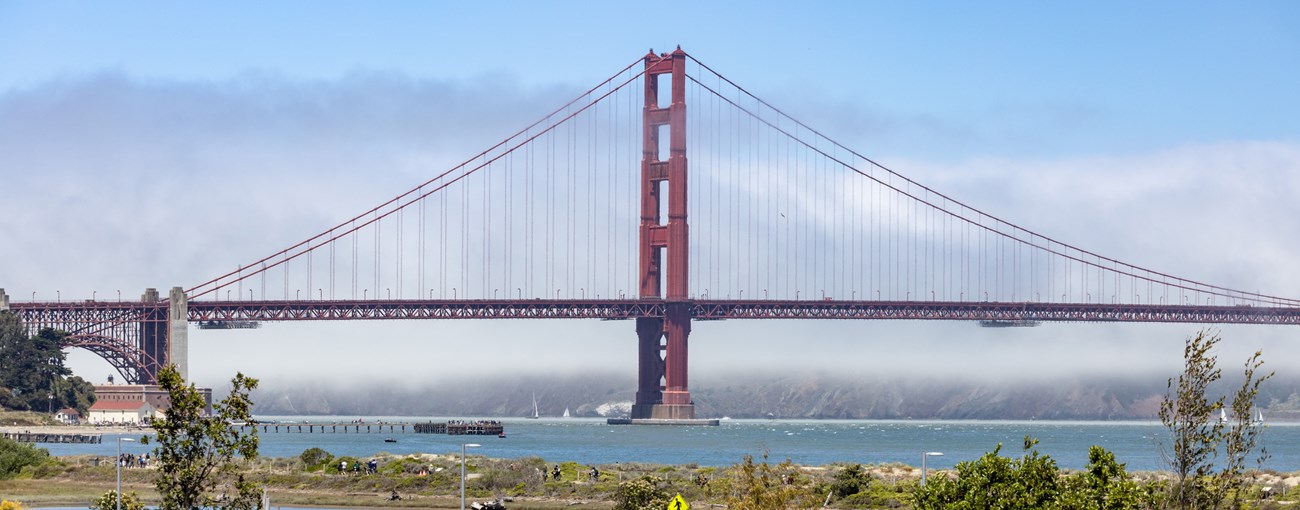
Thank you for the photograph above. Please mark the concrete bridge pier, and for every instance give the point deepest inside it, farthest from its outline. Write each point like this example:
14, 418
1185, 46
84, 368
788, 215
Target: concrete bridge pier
4, 300
178, 330
164, 334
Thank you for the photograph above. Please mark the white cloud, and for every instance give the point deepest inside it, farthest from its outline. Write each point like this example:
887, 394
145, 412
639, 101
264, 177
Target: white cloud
116, 183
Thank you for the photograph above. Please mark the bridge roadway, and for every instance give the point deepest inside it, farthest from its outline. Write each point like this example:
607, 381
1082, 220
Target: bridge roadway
75, 316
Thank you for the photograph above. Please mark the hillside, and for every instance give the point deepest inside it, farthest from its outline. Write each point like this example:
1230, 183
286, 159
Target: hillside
803, 396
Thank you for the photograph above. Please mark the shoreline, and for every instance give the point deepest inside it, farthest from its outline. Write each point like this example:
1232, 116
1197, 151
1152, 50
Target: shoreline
75, 429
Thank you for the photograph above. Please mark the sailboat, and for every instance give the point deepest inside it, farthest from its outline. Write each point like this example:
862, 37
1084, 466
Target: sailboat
535, 415
566, 412
1223, 416
1259, 419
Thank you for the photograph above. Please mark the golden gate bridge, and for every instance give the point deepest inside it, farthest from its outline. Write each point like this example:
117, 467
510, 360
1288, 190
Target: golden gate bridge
784, 223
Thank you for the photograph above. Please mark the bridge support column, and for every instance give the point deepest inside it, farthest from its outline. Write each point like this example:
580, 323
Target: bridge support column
677, 403
662, 389
178, 324
650, 366
153, 339
4, 300
164, 335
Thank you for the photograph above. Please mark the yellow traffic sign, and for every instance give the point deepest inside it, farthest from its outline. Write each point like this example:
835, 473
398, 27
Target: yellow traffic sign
678, 503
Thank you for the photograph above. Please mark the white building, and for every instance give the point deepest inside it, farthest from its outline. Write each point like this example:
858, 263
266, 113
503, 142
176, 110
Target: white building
68, 416
121, 412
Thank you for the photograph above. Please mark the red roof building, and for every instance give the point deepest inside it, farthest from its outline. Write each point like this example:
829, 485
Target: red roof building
121, 412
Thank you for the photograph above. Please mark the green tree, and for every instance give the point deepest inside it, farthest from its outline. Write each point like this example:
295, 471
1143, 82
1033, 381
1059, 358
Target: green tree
1103, 485
74, 392
197, 451
1189, 415
108, 501
1198, 433
14, 456
995, 482
1242, 438
30, 366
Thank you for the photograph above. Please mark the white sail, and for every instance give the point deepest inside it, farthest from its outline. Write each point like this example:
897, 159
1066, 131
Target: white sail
535, 415
1223, 416
566, 412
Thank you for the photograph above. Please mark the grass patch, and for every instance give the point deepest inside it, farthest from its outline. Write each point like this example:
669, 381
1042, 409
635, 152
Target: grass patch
26, 419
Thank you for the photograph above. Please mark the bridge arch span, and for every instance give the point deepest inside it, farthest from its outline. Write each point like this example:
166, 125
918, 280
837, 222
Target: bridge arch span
132, 362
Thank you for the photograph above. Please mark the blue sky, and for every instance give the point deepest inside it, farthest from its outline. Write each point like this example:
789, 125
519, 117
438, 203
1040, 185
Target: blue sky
1122, 76
1161, 131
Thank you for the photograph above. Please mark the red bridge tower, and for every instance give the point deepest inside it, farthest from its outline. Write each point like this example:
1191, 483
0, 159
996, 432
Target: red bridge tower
661, 381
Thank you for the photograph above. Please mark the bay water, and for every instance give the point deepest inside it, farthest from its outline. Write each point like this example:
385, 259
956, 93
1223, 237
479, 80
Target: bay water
810, 442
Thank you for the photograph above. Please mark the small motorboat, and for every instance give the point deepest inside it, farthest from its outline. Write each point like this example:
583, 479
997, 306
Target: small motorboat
502, 435
389, 440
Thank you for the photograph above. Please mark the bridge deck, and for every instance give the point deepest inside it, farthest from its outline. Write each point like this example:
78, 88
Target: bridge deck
71, 315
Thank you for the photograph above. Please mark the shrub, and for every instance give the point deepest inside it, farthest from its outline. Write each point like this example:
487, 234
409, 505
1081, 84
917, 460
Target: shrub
109, 502
645, 493
849, 481
14, 456
994, 481
314, 458
763, 486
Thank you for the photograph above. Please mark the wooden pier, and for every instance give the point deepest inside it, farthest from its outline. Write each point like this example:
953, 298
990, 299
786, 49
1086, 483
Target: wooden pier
41, 437
475, 428
334, 428
463, 428
451, 428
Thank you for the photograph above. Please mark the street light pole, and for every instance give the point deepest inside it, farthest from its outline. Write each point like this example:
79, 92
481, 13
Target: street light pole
118, 462
923, 456
463, 446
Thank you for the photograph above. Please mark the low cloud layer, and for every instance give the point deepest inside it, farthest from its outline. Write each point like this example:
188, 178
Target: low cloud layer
117, 183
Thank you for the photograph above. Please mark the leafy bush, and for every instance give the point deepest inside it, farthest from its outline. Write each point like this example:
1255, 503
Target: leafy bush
1033, 481
849, 481
1104, 484
109, 502
50, 468
313, 458
403, 466
10, 505
994, 481
878, 496
15, 455
645, 493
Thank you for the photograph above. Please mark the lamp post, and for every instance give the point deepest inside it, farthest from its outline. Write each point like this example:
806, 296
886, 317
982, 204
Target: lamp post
923, 456
463, 446
118, 463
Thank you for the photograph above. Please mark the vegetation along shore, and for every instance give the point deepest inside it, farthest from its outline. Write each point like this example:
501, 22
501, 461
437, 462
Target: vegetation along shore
432, 481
